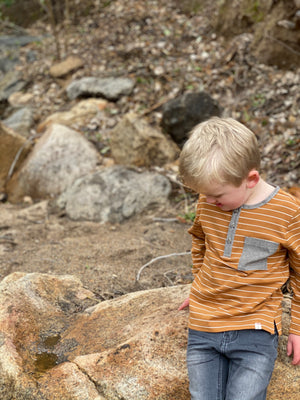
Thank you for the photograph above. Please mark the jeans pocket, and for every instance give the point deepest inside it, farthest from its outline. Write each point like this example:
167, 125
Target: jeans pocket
255, 254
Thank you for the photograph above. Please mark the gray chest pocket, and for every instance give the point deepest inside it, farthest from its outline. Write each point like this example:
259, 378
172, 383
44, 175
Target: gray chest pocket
255, 254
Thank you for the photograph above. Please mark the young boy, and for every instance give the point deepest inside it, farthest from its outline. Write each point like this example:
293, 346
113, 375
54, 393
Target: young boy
245, 245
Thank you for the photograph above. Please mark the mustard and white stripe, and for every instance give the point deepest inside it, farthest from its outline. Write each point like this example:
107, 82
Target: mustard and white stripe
241, 259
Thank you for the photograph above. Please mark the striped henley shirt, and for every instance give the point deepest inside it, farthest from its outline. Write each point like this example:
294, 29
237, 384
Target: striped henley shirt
241, 259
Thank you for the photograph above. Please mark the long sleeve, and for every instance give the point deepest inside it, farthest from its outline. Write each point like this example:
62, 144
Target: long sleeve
241, 260
198, 242
293, 246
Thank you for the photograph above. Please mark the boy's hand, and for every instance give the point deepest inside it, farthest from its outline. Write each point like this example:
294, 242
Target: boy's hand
293, 347
186, 304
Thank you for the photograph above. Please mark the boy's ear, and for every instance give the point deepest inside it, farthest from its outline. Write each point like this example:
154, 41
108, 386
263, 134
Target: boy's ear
252, 179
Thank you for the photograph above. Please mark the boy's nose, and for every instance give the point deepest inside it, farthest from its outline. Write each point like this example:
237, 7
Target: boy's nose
210, 199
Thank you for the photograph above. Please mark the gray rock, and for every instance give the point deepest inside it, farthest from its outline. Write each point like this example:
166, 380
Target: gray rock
20, 121
113, 194
7, 63
18, 40
10, 83
109, 88
9, 45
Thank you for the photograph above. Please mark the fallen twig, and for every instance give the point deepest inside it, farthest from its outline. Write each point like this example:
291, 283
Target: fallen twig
159, 258
181, 185
168, 279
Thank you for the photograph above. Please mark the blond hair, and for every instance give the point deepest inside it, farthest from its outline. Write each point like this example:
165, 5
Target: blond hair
219, 150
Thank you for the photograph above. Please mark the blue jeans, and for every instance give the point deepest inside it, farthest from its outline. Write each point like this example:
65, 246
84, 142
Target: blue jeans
234, 365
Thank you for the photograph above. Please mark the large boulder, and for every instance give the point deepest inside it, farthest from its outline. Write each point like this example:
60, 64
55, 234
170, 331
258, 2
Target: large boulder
58, 343
181, 114
134, 142
13, 150
60, 157
113, 194
37, 308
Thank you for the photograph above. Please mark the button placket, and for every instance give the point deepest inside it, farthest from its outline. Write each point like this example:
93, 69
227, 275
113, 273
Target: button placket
231, 232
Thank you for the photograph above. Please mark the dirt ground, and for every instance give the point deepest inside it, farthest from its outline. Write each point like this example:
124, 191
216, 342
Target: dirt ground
183, 53
105, 257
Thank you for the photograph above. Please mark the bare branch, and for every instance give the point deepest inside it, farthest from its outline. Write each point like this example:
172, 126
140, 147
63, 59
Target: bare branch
159, 258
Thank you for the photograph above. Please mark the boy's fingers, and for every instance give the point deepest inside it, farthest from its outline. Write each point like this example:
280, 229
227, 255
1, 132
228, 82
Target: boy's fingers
296, 360
184, 304
293, 348
296, 357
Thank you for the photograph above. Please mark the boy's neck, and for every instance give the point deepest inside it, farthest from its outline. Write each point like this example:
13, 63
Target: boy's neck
260, 192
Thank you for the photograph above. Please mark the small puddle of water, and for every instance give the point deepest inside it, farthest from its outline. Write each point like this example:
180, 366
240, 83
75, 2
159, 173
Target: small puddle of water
51, 341
45, 360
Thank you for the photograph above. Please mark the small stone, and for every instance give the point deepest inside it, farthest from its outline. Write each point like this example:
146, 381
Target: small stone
63, 68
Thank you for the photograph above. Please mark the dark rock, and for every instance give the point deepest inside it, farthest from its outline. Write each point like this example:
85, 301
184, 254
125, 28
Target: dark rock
181, 114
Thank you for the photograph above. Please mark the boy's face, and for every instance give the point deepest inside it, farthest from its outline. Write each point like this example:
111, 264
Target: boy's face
226, 196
